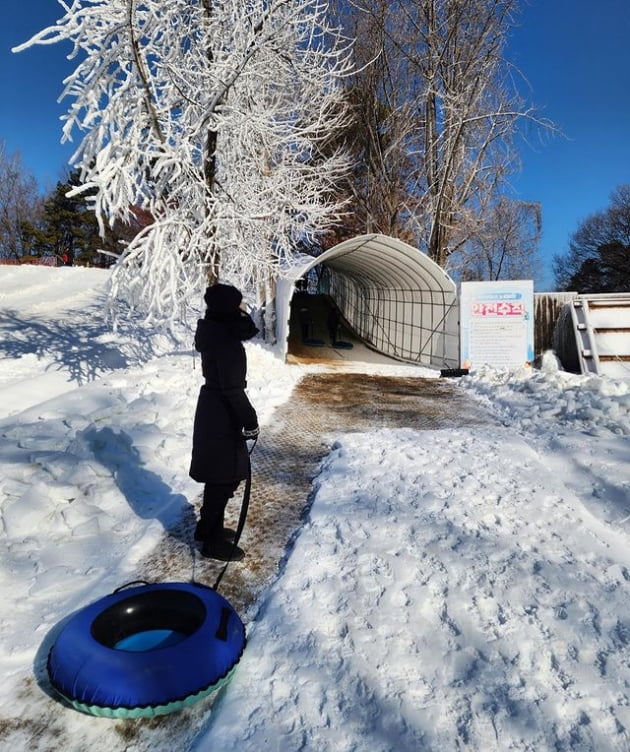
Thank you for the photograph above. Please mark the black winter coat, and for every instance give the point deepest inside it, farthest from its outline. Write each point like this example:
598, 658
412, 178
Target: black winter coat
219, 452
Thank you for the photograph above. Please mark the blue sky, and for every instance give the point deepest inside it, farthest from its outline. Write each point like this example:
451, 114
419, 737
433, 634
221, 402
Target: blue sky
574, 53
576, 57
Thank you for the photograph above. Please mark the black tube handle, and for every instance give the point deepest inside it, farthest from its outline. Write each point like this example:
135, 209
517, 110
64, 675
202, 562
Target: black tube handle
221, 633
129, 584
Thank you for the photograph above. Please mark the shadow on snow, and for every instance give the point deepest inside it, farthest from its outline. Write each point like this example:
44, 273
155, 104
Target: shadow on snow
73, 346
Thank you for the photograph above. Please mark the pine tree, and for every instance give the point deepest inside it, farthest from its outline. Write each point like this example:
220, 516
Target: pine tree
68, 228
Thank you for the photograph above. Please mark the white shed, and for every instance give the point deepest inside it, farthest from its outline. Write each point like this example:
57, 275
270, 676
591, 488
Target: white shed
390, 296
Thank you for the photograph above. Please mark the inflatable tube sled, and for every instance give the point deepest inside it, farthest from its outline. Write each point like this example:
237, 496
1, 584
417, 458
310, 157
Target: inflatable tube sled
146, 651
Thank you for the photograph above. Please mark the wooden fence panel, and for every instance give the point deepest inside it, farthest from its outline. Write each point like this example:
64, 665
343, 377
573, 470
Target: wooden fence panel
547, 308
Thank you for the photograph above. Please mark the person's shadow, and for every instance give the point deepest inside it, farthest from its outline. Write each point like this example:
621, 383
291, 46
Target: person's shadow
146, 493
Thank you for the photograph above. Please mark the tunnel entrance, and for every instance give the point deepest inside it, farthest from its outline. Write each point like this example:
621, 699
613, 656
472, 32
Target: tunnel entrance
390, 299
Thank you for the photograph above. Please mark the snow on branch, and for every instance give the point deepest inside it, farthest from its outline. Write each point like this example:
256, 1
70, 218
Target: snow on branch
211, 116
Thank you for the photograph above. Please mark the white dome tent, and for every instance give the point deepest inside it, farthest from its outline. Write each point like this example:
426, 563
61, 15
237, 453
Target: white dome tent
392, 297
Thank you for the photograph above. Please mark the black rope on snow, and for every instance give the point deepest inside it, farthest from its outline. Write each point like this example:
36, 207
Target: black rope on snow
242, 517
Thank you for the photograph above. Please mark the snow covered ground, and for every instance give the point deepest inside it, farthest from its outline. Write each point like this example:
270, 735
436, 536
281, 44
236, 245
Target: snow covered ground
451, 589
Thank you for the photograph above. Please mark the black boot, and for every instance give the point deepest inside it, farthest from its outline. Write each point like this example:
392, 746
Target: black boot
226, 533
222, 550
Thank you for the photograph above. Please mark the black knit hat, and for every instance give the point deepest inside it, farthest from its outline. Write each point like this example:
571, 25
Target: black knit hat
222, 299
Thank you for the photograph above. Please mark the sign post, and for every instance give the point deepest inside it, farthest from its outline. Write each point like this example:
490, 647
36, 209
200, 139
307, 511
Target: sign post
497, 324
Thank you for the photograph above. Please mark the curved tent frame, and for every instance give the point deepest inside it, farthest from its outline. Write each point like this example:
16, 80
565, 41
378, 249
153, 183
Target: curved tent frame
395, 298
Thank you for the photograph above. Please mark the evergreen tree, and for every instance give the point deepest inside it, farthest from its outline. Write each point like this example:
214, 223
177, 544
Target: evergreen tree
608, 272
68, 229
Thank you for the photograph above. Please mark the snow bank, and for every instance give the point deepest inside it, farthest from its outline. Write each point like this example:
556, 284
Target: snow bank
551, 399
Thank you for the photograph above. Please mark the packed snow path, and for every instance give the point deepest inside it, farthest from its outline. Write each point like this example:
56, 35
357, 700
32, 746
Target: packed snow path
286, 460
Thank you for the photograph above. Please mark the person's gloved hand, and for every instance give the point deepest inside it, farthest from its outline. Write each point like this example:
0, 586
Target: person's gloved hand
251, 433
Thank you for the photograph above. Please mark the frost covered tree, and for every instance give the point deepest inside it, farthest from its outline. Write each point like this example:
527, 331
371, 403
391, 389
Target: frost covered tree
210, 115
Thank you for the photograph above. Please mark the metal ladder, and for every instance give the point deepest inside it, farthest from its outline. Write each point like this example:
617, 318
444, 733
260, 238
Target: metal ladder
584, 336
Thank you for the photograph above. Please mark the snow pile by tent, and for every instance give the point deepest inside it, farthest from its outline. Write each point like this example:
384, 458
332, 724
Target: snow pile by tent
534, 398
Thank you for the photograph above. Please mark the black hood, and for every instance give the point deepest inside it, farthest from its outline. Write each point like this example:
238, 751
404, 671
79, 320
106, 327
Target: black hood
222, 300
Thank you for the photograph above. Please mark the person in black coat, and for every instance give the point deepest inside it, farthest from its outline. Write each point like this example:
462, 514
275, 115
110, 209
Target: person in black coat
224, 418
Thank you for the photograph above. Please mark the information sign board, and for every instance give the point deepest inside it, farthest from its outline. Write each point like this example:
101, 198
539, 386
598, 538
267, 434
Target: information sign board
497, 324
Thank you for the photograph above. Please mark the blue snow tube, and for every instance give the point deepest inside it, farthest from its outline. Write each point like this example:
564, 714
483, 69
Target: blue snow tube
146, 651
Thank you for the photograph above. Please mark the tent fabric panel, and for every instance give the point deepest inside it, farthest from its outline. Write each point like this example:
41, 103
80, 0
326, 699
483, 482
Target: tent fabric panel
389, 260
398, 323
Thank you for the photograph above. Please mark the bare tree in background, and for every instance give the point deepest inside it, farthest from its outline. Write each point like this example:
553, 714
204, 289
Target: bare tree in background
19, 206
209, 115
446, 110
385, 130
505, 245
598, 259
